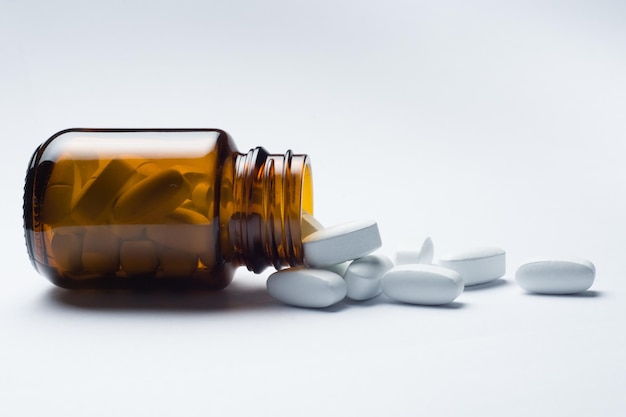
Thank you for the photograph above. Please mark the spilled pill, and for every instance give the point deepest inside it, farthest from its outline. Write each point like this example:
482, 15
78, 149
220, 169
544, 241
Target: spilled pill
556, 276
422, 284
363, 276
423, 255
306, 287
341, 243
477, 266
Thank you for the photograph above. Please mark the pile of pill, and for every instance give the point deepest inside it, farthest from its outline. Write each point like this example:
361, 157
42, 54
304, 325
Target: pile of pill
95, 212
340, 262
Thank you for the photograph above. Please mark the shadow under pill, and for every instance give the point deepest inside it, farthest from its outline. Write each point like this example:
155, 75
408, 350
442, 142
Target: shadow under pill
379, 299
335, 308
584, 294
487, 285
454, 305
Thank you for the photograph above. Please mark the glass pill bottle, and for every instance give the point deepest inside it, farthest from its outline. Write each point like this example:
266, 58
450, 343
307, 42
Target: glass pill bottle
161, 208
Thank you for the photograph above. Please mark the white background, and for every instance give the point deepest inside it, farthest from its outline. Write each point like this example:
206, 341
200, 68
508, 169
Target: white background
477, 123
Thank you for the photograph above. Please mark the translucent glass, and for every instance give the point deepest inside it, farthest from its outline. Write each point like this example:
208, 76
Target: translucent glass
161, 208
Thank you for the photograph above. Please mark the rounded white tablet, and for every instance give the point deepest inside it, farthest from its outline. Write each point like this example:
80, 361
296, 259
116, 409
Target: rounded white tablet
422, 284
305, 287
556, 276
477, 266
363, 276
341, 243
409, 255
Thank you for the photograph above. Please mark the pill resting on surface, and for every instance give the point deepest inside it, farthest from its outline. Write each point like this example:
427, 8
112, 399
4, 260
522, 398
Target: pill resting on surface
410, 255
341, 243
556, 276
363, 276
306, 287
422, 284
478, 265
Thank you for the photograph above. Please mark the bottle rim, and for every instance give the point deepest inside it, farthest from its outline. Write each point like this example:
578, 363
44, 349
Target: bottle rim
270, 191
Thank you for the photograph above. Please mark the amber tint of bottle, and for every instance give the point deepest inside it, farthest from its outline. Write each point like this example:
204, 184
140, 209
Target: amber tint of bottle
161, 208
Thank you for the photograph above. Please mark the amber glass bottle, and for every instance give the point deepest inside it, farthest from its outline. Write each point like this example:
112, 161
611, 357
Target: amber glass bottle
161, 208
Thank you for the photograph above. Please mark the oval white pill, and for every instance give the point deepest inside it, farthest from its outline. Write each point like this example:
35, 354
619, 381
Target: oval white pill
363, 276
556, 276
477, 266
306, 287
341, 243
422, 284
424, 255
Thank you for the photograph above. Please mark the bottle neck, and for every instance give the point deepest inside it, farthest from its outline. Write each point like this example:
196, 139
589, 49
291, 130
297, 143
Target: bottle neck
269, 193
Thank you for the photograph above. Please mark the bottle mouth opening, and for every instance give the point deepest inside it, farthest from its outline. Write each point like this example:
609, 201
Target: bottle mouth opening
306, 202
298, 196
271, 191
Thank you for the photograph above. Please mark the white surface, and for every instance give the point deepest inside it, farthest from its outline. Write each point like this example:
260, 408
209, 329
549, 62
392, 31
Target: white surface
507, 117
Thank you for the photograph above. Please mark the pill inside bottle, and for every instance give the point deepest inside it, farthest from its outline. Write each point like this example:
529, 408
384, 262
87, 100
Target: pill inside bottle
161, 208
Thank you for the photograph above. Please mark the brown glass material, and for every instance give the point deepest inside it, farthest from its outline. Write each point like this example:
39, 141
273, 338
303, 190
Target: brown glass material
162, 208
